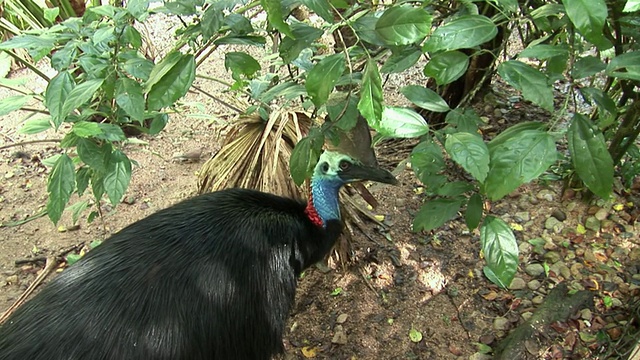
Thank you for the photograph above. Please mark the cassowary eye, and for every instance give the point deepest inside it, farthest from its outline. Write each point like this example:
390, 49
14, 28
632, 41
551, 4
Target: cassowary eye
344, 165
325, 167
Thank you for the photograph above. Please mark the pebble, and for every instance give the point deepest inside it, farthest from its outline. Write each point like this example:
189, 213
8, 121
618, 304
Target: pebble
552, 257
592, 223
524, 248
339, 336
601, 214
501, 323
589, 256
585, 314
11, 280
517, 284
537, 300
534, 269
545, 194
576, 271
561, 269
526, 315
341, 318
522, 216
534, 284
559, 214
480, 356
551, 223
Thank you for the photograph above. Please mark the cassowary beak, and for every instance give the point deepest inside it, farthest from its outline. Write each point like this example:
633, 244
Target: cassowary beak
360, 172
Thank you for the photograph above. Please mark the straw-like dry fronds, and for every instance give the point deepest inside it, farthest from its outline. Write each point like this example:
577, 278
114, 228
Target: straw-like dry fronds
256, 155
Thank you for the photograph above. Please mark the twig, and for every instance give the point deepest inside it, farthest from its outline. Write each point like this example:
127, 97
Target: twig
24, 221
52, 262
29, 142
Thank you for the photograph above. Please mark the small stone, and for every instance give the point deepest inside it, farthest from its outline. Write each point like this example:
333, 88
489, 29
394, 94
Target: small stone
534, 284
524, 248
552, 257
526, 315
12, 280
545, 194
517, 284
561, 269
592, 223
522, 216
571, 206
570, 255
534, 269
589, 256
585, 314
576, 271
601, 214
129, 200
480, 356
339, 337
341, 318
551, 222
559, 215
537, 300
501, 323
615, 302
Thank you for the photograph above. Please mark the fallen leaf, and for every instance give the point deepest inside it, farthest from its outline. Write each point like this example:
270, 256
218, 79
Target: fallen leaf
415, 335
492, 295
309, 351
580, 229
455, 350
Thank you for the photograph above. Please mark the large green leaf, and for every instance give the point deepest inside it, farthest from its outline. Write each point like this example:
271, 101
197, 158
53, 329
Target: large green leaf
323, 77
304, 157
447, 67
403, 25
93, 155
517, 160
12, 103
173, 85
631, 6
513, 131
129, 97
425, 98
400, 60
473, 214
305, 35
590, 157
275, 16
461, 33
371, 100
80, 94
470, 152
57, 92
427, 161
589, 17
118, 176
434, 213
162, 68
625, 66
62, 181
533, 84
320, 7
85, 129
587, 66
241, 64
399, 122
500, 251
464, 120
34, 126
544, 51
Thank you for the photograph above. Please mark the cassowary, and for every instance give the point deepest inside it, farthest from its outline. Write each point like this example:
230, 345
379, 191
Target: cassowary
212, 277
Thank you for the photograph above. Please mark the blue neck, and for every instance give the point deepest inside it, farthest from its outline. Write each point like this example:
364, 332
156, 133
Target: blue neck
324, 194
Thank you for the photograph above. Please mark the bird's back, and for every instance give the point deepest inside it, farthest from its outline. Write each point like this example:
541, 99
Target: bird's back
212, 277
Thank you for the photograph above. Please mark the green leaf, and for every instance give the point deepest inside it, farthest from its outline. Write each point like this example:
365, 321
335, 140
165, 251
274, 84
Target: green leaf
61, 59
365, 28
211, 22
110, 132
13, 103
625, 66
139, 67
461, 33
241, 64
589, 17
518, 159
631, 6
464, 120
425, 98
180, 8
470, 152
132, 37
93, 155
173, 85
77, 209
533, 84
399, 122
587, 66
513, 131
57, 92
510, 6
85, 129
79, 95
590, 156
427, 161
82, 179
138, 9
544, 51
275, 16
129, 97
118, 176
34, 126
305, 35
415, 335
403, 25
500, 250
454, 189
158, 123
401, 60
304, 158
323, 77
62, 181
447, 67
473, 214
162, 68
434, 213
320, 7
241, 40
371, 100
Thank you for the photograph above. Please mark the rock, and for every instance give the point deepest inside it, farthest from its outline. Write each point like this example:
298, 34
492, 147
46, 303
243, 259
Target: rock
592, 223
537, 300
339, 336
615, 302
589, 256
501, 323
545, 194
561, 269
534, 284
576, 271
524, 248
585, 314
517, 284
601, 214
480, 356
570, 255
551, 223
129, 200
522, 216
571, 206
526, 315
12, 280
534, 269
552, 257
559, 215
341, 318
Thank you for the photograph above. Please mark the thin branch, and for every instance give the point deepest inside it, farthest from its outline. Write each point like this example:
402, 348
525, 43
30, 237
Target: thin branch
29, 142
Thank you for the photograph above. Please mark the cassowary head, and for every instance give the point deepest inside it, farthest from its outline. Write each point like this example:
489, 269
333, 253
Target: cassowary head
342, 169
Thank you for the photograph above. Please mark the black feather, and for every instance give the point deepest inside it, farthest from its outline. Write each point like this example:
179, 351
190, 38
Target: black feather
212, 277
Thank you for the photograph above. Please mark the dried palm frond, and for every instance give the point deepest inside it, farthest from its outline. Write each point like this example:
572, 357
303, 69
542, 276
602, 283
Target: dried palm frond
256, 155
